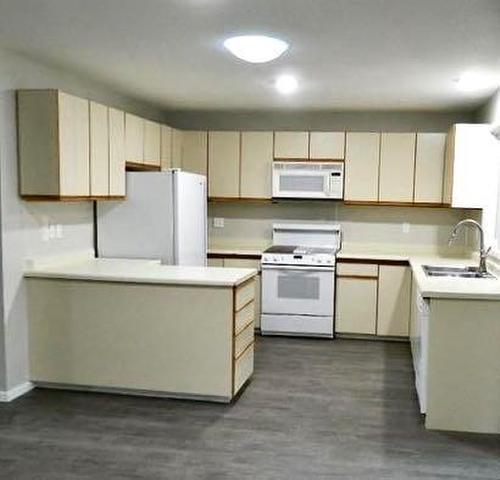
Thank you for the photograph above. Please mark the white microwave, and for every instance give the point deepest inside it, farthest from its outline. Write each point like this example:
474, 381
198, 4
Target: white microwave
308, 180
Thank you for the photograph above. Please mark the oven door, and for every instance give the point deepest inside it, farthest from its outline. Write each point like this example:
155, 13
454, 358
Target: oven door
297, 290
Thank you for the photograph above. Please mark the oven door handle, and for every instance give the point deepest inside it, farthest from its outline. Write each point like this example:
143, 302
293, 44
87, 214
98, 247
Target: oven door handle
325, 269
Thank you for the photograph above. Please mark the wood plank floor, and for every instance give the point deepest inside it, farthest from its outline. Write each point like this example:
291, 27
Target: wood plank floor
315, 410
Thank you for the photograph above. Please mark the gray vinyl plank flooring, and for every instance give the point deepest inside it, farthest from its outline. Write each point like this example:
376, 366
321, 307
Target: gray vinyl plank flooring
315, 409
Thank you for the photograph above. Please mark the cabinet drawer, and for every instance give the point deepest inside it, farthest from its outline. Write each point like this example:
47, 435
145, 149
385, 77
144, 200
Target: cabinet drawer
245, 293
243, 317
243, 340
243, 369
357, 269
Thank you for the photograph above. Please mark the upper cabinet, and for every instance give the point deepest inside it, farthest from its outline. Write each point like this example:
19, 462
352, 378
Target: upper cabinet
195, 151
99, 150
291, 145
152, 143
429, 167
134, 139
470, 167
116, 152
397, 167
256, 164
361, 167
176, 148
224, 164
54, 144
165, 147
327, 145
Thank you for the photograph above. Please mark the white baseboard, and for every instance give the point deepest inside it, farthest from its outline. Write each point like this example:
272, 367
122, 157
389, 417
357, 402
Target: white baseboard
16, 392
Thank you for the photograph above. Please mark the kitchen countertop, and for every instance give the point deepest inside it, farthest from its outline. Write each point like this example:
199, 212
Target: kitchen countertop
136, 271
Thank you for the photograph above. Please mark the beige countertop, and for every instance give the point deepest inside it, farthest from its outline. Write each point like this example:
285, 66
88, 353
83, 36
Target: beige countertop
135, 271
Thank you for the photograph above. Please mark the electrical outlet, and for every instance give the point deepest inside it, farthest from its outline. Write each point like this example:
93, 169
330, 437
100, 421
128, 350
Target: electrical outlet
52, 231
59, 231
406, 227
218, 222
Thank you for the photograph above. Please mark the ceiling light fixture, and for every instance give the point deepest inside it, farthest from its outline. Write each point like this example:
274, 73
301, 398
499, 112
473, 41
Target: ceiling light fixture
475, 81
286, 84
256, 48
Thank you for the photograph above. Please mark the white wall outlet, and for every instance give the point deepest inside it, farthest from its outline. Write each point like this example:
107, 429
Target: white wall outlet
406, 227
52, 231
218, 222
59, 231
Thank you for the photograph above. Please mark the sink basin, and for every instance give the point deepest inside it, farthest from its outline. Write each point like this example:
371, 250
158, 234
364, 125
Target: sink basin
458, 272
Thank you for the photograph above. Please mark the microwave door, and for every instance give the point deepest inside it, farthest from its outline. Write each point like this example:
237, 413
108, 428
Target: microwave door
302, 185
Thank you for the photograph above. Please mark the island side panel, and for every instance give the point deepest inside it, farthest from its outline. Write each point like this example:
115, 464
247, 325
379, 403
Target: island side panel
464, 366
158, 338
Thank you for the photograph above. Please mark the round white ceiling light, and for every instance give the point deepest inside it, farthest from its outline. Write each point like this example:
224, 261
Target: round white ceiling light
256, 48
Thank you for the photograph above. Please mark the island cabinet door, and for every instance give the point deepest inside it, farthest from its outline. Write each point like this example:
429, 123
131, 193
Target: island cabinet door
394, 294
195, 151
356, 299
361, 166
224, 164
397, 166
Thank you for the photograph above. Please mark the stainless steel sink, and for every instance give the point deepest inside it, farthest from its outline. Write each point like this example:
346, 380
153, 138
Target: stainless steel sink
458, 272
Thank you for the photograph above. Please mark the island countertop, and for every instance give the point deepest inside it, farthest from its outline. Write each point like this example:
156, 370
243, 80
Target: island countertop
137, 271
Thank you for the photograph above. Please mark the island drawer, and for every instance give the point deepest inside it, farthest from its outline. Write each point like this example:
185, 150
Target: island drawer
243, 340
243, 368
357, 270
245, 293
243, 317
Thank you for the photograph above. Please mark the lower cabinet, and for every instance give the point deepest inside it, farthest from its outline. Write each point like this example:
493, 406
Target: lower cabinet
373, 299
243, 263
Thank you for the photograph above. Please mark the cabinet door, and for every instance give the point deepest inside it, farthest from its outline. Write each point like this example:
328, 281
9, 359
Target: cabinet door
166, 147
394, 292
194, 151
256, 164
429, 167
116, 152
224, 164
362, 166
99, 150
397, 166
152, 135
74, 168
356, 305
176, 148
327, 146
291, 145
134, 138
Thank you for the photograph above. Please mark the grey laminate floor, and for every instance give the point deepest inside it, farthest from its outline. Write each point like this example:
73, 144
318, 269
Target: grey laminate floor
315, 410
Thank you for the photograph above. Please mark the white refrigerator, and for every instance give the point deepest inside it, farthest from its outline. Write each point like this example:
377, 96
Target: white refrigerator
163, 217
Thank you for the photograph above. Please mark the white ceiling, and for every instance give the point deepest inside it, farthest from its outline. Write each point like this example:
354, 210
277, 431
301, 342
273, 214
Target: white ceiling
347, 54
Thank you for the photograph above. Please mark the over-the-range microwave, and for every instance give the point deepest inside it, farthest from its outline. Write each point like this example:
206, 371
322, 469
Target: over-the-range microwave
308, 180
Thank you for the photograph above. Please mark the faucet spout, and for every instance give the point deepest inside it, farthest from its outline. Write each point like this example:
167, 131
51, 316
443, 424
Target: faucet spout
483, 253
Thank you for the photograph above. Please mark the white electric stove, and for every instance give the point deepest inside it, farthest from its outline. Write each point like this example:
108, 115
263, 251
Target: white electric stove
298, 280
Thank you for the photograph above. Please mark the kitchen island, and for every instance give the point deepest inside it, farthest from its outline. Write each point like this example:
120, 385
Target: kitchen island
139, 327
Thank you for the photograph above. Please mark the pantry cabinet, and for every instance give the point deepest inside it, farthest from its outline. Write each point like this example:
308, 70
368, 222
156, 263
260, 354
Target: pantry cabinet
134, 139
429, 167
327, 145
224, 164
256, 164
362, 166
53, 143
394, 295
116, 152
99, 150
195, 151
397, 163
291, 145
152, 143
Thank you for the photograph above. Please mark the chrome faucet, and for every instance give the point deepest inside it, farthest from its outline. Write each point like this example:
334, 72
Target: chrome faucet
483, 253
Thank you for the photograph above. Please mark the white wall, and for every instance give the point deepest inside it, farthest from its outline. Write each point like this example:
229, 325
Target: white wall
22, 222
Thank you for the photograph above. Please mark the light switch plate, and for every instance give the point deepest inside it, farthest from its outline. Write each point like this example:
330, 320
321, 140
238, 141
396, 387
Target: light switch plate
218, 222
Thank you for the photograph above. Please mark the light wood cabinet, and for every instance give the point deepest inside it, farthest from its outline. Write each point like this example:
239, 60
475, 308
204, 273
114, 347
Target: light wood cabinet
327, 145
99, 150
53, 144
256, 164
176, 148
291, 145
152, 143
165, 147
224, 164
397, 166
134, 139
195, 151
362, 166
394, 295
116, 152
429, 167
